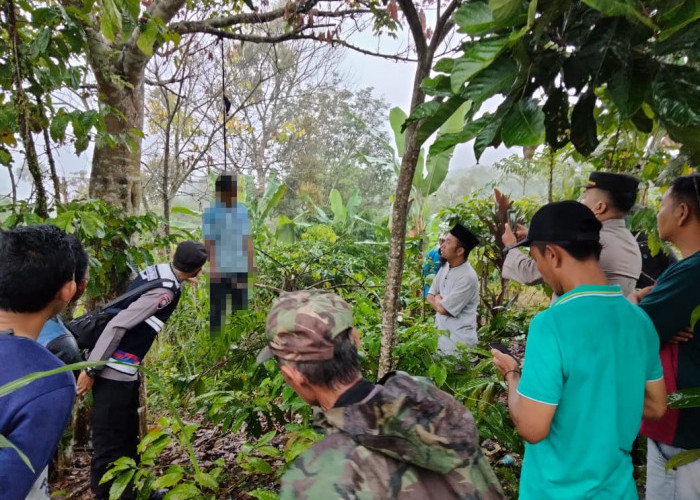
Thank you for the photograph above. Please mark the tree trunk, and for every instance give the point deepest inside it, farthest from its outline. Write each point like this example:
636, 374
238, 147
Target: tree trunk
21, 106
399, 217
116, 171
165, 186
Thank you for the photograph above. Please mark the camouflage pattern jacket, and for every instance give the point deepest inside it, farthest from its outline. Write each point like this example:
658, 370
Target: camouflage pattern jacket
407, 440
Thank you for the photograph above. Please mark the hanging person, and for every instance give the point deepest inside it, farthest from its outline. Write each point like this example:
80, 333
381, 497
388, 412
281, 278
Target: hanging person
126, 339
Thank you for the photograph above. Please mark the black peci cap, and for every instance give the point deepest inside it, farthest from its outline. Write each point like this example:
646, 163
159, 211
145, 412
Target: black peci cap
465, 236
621, 187
562, 222
189, 256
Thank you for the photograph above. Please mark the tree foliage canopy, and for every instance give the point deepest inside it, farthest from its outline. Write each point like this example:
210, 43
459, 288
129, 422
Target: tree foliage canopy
553, 61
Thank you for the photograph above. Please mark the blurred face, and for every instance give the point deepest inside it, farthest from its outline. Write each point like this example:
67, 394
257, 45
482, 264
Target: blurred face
82, 286
450, 248
666, 219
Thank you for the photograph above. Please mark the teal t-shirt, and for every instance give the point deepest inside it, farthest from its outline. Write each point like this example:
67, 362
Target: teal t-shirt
590, 354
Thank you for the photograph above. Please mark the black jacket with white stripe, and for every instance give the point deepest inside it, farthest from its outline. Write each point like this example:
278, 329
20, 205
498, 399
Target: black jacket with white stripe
130, 334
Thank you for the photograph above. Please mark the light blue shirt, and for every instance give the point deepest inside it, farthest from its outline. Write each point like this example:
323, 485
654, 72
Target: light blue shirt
226, 227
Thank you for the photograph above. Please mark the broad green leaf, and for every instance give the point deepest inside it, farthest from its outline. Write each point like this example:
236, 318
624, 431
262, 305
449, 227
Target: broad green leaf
676, 15
339, 212
694, 317
498, 77
285, 230
453, 107
269, 451
437, 171
523, 124
504, 10
179, 209
354, 203
133, 7
396, 118
111, 19
206, 480
183, 491
167, 480
6, 443
28, 379
120, 483
685, 398
57, 129
584, 135
148, 38
266, 438
447, 141
626, 8
488, 135
474, 18
38, 45
627, 90
476, 57
261, 494
682, 458
272, 202
424, 110
258, 465
676, 95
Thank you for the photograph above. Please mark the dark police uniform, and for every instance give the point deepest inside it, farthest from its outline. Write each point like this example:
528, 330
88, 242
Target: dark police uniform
126, 338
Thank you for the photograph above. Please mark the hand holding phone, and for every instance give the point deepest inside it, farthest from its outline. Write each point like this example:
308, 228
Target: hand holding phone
500, 347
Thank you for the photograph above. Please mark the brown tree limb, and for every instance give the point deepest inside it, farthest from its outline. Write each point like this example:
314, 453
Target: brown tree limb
409, 10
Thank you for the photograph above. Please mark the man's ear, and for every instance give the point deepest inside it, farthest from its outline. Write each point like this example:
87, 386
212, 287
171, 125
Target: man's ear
356, 337
684, 213
66, 292
293, 376
554, 254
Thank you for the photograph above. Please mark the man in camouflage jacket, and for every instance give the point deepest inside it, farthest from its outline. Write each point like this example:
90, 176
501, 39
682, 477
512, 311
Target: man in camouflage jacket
399, 439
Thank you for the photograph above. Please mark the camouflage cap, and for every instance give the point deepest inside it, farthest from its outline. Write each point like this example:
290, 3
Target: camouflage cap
301, 326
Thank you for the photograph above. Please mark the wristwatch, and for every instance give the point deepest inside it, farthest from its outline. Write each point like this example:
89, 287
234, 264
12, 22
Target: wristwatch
91, 372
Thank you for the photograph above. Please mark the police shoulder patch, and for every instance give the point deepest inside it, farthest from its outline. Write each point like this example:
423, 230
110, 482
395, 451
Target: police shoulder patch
163, 301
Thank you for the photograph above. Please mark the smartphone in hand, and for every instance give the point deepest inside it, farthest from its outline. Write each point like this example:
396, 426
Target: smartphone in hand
500, 347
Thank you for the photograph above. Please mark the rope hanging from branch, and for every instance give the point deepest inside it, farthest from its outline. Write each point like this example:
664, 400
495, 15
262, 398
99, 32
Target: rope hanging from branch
226, 101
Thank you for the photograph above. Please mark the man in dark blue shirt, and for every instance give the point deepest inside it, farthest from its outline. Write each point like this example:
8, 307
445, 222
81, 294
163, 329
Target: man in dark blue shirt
55, 336
36, 283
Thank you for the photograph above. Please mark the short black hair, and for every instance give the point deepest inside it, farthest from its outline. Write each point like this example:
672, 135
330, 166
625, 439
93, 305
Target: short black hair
579, 250
686, 189
35, 262
81, 258
225, 183
342, 369
622, 202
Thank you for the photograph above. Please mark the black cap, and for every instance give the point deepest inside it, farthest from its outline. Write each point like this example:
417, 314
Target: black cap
465, 237
562, 222
621, 187
189, 256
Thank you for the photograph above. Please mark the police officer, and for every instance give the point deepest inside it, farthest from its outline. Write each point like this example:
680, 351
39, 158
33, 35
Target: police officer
127, 338
610, 197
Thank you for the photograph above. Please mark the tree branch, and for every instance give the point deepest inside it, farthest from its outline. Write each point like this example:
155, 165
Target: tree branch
218, 23
409, 10
444, 25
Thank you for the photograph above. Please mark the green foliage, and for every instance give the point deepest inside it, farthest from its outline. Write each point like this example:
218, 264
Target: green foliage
538, 55
118, 244
50, 41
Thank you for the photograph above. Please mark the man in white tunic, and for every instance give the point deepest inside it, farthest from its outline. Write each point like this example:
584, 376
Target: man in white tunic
454, 293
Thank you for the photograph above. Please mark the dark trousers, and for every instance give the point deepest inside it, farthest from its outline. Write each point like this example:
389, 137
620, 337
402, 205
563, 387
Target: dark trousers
115, 429
233, 287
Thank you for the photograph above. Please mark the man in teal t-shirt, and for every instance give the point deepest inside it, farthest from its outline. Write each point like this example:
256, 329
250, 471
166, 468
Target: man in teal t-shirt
591, 369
